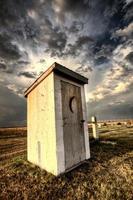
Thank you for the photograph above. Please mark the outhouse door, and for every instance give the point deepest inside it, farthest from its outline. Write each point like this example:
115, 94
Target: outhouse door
73, 124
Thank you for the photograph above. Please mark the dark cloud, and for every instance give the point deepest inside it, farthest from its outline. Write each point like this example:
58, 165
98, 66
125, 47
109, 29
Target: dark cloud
17, 28
3, 66
76, 48
12, 11
100, 60
129, 13
9, 67
114, 107
31, 29
89, 32
13, 16
27, 74
83, 40
84, 69
129, 57
8, 50
75, 7
41, 29
56, 43
23, 62
13, 109
75, 27
117, 111
105, 45
107, 9
42, 61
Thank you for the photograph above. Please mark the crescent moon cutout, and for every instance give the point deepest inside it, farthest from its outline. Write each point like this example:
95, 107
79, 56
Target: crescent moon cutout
71, 103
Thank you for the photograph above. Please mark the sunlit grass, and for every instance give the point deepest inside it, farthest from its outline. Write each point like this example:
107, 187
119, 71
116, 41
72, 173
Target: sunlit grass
108, 175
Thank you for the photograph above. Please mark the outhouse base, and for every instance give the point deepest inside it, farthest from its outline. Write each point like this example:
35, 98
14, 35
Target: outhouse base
73, 167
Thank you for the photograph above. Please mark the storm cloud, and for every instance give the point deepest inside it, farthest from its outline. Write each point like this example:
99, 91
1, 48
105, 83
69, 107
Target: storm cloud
92, 37
129, 57
27, 74
12, 108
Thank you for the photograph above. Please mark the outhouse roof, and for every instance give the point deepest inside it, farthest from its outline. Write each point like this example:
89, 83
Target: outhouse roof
60, 70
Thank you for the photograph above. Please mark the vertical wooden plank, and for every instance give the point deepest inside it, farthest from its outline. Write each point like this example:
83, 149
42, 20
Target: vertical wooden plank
59, 126
73, 128
86, 134
41, 125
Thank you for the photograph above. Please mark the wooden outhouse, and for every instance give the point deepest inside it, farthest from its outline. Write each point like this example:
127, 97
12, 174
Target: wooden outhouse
57, 120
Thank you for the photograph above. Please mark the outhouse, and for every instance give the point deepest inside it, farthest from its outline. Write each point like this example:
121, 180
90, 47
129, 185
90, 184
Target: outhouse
57, 120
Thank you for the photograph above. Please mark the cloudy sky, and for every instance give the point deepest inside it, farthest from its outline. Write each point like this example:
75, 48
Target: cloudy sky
92, 37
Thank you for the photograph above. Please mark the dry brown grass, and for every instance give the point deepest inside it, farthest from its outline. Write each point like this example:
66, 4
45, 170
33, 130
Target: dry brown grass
12, 143
108, 175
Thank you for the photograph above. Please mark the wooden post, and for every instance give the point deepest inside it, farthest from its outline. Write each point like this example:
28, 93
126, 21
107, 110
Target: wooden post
94, 128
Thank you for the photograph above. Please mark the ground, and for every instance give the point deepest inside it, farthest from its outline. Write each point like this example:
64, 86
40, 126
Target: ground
108, 175
12, 143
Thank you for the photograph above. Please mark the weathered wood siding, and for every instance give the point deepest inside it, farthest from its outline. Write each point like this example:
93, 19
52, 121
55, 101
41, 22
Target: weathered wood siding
59, 126
59, 122
86, 134
73, 129
41, 126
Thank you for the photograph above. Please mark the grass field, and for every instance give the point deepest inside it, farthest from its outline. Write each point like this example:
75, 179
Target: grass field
12, 143
108, 175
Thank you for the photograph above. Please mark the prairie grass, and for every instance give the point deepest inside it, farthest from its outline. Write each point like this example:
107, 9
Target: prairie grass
108, 175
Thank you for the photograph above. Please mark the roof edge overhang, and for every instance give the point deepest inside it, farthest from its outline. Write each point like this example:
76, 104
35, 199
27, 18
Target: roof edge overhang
60, 70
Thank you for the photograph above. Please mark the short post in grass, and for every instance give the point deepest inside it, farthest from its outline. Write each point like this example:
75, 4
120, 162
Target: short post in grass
94, 128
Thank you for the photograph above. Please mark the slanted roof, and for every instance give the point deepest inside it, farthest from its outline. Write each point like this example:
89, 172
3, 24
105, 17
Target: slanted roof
60, 70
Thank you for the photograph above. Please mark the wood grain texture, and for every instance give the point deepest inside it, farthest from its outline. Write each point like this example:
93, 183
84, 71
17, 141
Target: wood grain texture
41, 126
59, 125
72, 126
